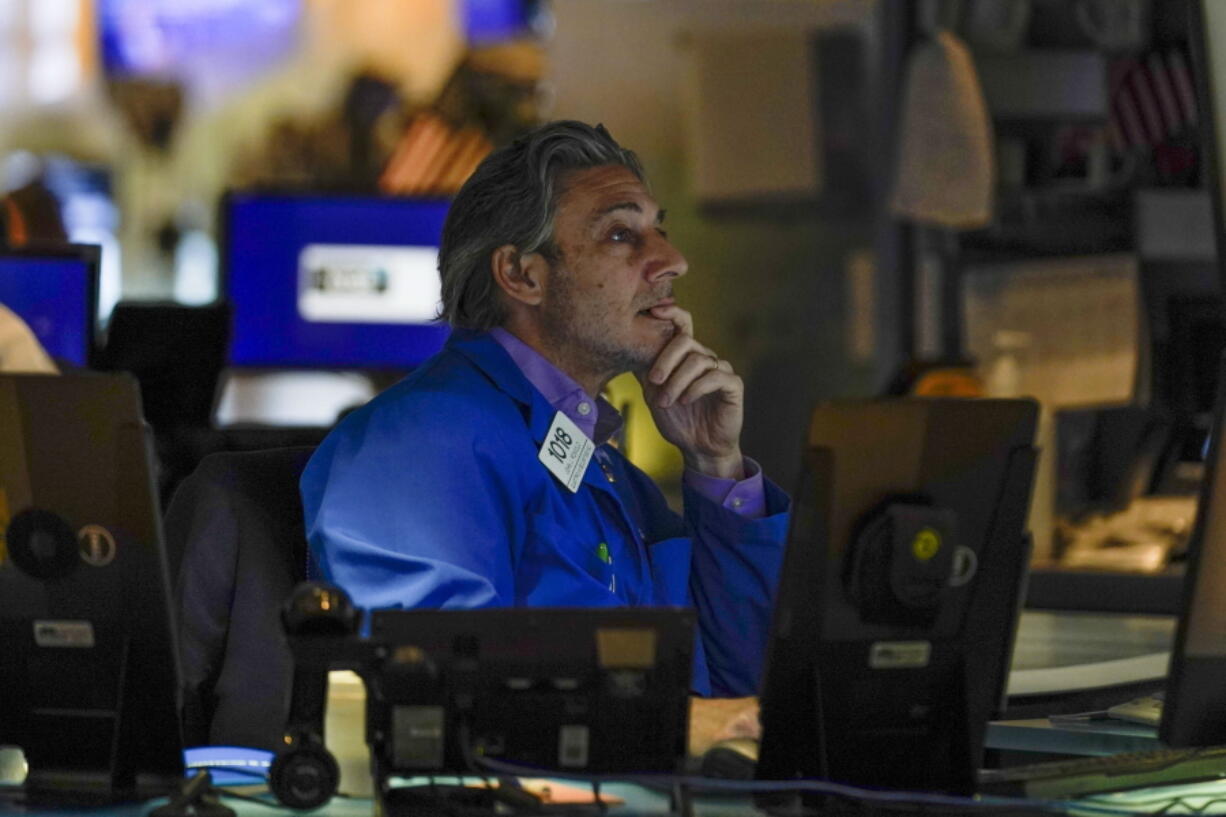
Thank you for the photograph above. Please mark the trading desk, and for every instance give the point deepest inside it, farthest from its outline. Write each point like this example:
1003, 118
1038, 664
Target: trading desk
1105, 655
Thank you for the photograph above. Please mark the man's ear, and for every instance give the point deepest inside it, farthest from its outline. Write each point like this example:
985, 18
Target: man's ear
522, 276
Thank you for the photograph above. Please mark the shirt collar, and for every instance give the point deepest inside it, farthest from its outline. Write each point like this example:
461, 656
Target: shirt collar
595, 417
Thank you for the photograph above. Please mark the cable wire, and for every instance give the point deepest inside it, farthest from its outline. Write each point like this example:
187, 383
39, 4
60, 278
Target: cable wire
910, 800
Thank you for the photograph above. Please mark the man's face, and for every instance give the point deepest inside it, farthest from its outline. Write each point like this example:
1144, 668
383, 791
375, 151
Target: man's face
615, 264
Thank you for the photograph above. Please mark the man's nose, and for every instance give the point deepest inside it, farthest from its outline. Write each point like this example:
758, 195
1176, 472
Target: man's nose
667, 261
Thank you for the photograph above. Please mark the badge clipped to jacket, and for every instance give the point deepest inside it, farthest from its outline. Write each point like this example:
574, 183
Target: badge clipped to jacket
566, 451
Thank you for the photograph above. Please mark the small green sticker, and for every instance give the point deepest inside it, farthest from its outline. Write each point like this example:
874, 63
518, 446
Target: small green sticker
602, 552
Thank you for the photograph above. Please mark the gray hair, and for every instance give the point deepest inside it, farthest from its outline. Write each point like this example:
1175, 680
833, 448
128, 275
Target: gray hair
511, 199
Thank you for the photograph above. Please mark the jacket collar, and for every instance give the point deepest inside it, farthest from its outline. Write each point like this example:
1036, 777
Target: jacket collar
488, 355
495, 363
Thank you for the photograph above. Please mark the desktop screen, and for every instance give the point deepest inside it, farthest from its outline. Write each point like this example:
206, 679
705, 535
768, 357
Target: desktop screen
331, 281
210, 46
56, 295
492, 21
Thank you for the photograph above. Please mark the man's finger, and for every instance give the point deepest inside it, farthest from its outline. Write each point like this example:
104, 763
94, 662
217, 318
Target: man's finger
694, 366
671, 356
709, 383
681, 318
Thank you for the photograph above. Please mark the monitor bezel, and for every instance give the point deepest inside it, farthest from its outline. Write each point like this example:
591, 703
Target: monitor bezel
91, 256
224, 230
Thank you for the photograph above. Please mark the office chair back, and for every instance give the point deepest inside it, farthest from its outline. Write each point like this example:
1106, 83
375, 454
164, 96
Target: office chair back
234, 531
176, 352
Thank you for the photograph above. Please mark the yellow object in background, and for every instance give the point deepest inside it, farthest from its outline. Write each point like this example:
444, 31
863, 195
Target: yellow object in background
641, 442
950, 382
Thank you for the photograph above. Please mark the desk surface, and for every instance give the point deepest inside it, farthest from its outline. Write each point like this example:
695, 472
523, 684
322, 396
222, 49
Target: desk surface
1059, 639
1070, 651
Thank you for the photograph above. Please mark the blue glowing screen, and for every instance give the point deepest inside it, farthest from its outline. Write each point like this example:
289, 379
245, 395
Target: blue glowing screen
210, 46
53, 295
490, 21
336, 282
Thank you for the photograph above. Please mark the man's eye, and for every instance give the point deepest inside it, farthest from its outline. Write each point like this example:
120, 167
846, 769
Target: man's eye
621, 234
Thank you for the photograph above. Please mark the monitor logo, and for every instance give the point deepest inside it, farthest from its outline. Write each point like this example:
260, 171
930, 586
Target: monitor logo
352, 280
97, 545
899, 654
59, 633
348, 283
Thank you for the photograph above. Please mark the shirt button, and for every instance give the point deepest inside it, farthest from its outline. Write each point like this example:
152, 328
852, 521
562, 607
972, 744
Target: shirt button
737, 502
584, 408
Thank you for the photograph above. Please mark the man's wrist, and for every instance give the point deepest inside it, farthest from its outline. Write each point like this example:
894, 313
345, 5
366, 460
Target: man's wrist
728, 466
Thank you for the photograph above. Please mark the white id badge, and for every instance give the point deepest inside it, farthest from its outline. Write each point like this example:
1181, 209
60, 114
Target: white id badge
566, 451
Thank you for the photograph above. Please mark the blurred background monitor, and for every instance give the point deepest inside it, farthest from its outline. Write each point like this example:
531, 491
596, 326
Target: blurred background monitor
211, 46
492, 21
55, 291
215, 45
332, 281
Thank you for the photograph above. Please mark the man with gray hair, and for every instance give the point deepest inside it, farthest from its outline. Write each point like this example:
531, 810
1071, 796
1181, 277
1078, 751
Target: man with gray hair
486, 479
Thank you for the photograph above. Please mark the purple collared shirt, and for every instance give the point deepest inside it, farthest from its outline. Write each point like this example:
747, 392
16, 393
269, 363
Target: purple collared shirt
599, 421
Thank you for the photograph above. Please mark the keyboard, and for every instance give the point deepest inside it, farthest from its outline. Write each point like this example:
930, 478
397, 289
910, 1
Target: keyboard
1063, 779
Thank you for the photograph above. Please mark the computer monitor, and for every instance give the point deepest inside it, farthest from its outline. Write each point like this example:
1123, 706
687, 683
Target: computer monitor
88, 677
1194, 709
1194, 300
579, 690
55, 291
899, 593
209, 48
332, 281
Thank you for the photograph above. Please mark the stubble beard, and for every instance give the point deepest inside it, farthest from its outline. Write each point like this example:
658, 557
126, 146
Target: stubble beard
584, 341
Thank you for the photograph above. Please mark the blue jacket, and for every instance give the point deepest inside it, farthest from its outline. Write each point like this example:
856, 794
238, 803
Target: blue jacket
432, 496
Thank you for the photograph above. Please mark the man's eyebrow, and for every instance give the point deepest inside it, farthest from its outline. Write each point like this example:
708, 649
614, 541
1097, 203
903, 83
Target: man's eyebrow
613, 208
624, 205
